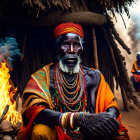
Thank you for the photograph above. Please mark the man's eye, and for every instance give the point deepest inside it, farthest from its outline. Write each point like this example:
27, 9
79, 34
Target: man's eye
64, 46
77, 44
65, 43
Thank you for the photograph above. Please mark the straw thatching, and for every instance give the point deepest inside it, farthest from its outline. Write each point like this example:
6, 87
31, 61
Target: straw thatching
84, 18
27, 11
95, 5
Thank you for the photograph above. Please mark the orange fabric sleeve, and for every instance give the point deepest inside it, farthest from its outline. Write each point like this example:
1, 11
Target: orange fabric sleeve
105, 98
135, 67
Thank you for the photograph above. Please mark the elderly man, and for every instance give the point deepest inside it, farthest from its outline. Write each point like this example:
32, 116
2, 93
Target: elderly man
67, 100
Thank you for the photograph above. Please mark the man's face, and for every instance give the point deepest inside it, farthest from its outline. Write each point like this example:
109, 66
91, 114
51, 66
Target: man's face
70, 49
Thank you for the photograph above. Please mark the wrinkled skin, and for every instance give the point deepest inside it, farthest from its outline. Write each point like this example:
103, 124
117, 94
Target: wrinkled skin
98, 126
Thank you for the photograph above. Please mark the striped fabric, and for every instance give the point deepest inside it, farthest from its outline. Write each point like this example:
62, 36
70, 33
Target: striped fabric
68, 28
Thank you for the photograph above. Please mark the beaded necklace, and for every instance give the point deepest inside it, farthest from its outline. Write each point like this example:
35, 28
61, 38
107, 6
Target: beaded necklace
67, 83
74, 99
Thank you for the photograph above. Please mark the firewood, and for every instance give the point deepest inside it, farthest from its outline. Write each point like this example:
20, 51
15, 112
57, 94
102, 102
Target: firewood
6, 126
4, 112
7, 137
18, 125
18, 103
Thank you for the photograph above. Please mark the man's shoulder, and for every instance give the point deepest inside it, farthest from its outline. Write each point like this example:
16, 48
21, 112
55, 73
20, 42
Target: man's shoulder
91, 70
92, 76
45, 69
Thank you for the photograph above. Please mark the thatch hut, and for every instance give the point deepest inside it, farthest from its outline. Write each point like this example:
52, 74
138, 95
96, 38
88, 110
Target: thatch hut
32, 23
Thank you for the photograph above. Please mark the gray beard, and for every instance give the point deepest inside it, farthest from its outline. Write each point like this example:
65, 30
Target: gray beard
65, 68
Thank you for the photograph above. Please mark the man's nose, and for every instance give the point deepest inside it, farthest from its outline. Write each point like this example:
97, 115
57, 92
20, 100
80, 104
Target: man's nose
71, 49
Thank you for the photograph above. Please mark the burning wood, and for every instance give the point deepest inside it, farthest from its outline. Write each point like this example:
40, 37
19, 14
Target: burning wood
6, 126
7, 91
4, 113
7, 137
10, 120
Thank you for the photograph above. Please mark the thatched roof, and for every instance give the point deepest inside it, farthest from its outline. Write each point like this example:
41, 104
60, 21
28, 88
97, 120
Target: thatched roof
27, 11
83, 18
99, 5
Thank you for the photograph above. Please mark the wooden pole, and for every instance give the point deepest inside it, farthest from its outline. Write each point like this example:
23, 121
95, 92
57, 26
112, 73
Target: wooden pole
95, 55
124, 97
123, 93
114, 61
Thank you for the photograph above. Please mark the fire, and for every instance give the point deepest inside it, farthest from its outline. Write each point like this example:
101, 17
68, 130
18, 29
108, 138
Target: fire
6, 96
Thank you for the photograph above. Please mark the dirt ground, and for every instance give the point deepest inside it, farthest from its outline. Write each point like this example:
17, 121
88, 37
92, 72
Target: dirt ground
131, 118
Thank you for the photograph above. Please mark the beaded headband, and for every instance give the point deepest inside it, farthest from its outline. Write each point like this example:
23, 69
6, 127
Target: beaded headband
68, 28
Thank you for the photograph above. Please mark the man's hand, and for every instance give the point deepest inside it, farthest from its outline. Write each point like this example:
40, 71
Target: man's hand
101, 125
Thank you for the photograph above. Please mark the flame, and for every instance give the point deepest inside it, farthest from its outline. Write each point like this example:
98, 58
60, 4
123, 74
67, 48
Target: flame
7, 91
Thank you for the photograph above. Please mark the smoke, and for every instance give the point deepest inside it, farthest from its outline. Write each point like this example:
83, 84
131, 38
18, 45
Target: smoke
9, 50
134, 32
130, 34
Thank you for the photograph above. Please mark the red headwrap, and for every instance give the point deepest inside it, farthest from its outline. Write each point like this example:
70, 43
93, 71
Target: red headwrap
68, 28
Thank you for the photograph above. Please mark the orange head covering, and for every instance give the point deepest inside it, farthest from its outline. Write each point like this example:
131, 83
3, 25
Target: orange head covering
68, 28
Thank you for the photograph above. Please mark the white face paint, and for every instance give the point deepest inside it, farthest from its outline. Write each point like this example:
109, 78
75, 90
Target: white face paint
70, 49
72, 35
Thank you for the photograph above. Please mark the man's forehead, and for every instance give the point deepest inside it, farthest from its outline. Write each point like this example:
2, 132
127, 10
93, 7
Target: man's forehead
71, 36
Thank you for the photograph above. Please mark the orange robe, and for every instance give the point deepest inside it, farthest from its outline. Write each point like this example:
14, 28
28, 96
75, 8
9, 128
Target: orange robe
135, 67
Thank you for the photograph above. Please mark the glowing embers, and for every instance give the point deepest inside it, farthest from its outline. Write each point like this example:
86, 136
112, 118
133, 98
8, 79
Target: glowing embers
7, 91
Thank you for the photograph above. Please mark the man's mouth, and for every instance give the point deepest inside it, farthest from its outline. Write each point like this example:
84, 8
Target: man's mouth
71, 62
